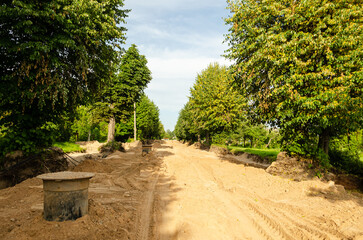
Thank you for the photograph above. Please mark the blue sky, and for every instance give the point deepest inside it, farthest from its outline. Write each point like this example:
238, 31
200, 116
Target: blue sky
179, 39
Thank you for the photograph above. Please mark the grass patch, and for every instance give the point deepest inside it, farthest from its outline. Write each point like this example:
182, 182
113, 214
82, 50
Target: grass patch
270, 153
68, 147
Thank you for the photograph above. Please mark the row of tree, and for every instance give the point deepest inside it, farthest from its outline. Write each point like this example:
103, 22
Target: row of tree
88, 124
299, 66
56, 56
216, 112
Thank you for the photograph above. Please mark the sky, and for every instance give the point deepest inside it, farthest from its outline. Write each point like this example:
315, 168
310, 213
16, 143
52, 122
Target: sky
179, 38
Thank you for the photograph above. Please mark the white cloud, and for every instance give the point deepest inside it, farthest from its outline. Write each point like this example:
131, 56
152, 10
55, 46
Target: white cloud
174, 4
179, 38
172, 79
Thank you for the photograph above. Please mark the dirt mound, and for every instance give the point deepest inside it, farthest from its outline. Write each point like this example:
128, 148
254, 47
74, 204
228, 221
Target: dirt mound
93, 166
299, 169
219, 150
292, 167
199, 145
19, 167
101, 223
91, 146
350, 182
136, 144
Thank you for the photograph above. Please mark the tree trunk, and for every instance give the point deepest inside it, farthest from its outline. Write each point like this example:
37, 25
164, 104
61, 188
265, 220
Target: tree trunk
111, 130
269, 142
244, 142
134, 121
324, 140
89, 135
199, 139
207, 138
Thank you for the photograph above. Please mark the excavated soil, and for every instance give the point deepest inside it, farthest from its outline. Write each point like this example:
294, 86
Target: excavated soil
179, 192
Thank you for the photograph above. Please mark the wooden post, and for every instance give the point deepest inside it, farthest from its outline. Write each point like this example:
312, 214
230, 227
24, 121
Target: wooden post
134, 121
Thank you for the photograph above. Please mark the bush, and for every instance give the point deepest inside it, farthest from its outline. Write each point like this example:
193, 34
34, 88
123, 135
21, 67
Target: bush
111, 147
347, 161
344, 153
222, 138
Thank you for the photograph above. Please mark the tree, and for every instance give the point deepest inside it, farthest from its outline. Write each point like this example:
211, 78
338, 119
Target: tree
148, 122
169, 134
300, 66
52, 55
215, 105
183, 128
126, 87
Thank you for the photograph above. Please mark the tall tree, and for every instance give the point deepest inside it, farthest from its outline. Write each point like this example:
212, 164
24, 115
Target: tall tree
52, 55
184, 129
125, 88
300, 63
148, 122
216, 106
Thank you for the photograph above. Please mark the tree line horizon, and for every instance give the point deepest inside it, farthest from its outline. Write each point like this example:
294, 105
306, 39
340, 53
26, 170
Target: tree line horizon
297, 67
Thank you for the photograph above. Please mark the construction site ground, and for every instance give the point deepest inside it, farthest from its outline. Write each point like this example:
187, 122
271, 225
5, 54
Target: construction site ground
179, 192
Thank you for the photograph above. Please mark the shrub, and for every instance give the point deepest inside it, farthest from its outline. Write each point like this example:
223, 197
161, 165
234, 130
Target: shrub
346, 160
111, 147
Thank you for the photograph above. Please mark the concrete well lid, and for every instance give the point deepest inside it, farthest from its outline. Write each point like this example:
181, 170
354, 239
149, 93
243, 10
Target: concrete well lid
61, 176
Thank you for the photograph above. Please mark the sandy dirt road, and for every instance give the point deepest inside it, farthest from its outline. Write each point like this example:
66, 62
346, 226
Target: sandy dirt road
178, 192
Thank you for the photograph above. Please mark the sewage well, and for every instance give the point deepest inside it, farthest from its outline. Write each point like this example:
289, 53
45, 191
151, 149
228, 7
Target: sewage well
65, 195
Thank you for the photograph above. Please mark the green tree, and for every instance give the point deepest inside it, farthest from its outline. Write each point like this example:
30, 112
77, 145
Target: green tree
162, 132
300, 65
52, 55
183, 128
126, 87
87, 126
215, 105
147, 119
169, 134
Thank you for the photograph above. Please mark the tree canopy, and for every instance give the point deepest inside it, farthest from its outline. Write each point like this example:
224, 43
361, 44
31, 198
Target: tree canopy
52, 55
126, 87
214, 105
300, 65
147, 119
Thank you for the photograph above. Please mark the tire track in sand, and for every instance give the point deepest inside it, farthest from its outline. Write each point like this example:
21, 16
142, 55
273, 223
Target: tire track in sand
144, 214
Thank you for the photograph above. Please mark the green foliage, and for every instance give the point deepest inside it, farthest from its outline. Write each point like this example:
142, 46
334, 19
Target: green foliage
222, 138
69, 147
254, 135
169, 134
147, 119
53, 54
63, 131
124, 129
87, 126
270, 153
27, 140
147, 122
83, 123
183, 128
345, 153
214, 106
299, 64
347, 161
111, 147
126, 86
